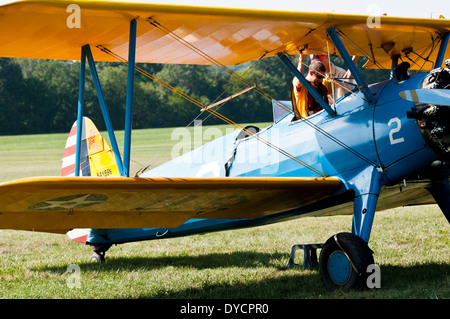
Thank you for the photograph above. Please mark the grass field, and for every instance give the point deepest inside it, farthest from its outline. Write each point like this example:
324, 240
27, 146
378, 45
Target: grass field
411, 245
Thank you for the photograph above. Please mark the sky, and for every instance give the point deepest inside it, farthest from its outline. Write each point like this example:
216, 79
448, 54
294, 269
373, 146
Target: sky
399, 8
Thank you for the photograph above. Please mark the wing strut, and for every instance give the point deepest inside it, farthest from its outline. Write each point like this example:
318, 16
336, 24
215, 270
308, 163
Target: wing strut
129, 99
220, 116
86, 53
362, 84
284, 58
80, 110
442, 49
228, 98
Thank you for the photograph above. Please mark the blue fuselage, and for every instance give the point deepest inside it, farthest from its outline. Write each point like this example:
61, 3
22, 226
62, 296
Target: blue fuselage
360, 135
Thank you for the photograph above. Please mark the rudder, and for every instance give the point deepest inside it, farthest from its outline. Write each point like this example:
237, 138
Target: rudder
96, 159
96, 156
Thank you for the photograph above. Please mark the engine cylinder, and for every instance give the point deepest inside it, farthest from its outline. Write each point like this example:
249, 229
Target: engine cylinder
434, 120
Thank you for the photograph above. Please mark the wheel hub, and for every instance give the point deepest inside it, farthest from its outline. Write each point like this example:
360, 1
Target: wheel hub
339, 268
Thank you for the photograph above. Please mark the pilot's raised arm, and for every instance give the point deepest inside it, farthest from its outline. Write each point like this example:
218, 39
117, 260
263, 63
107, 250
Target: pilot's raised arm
303, 103
336, 72
295, 81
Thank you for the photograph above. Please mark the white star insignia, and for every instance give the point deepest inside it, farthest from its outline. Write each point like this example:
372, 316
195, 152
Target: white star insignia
70, 202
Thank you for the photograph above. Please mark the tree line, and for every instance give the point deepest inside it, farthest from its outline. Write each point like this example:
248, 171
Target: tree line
41, 96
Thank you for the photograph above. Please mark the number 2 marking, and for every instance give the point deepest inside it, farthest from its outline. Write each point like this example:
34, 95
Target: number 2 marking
396, 129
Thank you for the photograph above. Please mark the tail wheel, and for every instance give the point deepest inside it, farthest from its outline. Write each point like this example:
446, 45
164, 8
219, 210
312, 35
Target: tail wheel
343, 261
99, 252
97, 258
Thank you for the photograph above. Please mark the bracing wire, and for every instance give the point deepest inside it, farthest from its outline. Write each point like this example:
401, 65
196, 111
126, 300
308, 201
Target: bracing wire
364, 53
212, 60
220, 116
145, 167
336, 140
239, 78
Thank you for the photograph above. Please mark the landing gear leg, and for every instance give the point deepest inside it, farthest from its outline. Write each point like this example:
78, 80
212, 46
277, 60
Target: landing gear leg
367, 188
345, 257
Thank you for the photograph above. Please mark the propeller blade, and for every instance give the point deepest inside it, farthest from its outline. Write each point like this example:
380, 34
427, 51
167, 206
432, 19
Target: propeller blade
428, 96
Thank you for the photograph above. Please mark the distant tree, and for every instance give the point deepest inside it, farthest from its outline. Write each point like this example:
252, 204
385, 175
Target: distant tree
55, 103
39, 96
13, 114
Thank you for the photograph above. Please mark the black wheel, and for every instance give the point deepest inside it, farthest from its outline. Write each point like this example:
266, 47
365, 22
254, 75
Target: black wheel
343, 262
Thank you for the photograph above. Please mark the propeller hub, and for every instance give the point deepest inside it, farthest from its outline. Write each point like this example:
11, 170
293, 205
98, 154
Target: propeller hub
434, 120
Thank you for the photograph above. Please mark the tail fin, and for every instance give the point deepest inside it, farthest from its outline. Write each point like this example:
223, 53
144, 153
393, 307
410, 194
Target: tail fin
96, 156
96, 159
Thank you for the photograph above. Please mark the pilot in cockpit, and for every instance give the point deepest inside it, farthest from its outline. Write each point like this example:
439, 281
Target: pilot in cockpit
303, 102
321, 74
335, 72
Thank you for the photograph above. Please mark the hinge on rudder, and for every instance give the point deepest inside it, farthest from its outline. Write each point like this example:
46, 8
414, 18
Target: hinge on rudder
309, 255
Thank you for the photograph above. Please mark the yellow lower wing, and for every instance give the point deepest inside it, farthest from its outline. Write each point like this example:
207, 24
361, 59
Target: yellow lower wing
63, 203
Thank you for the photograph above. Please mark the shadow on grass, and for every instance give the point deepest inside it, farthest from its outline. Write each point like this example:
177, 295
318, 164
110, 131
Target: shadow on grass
210, 261
427, 276
422, 281
428, 281
280, 283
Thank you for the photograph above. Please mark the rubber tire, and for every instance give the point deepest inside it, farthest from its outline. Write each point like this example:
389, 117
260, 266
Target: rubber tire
350, 247
96, 258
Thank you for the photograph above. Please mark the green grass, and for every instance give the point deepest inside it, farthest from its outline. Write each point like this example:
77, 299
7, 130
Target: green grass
248, 263
41, 154
411, 245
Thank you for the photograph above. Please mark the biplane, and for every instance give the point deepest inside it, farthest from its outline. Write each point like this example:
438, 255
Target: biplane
379, 146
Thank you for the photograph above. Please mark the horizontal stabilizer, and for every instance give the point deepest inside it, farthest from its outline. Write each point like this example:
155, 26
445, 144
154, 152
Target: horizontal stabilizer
121, 202
427, 96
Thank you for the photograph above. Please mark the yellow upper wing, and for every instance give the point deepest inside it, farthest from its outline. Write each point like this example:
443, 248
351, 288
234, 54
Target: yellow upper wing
45, 29
63, 203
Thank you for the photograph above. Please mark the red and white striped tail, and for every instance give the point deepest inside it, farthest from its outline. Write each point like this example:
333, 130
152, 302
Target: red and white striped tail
68, 169
96, 159
68, 161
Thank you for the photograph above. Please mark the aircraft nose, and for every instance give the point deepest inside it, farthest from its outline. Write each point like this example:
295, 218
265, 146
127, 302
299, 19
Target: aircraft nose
432, 111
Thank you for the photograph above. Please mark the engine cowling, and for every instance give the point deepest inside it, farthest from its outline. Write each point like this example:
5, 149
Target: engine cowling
434, 120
